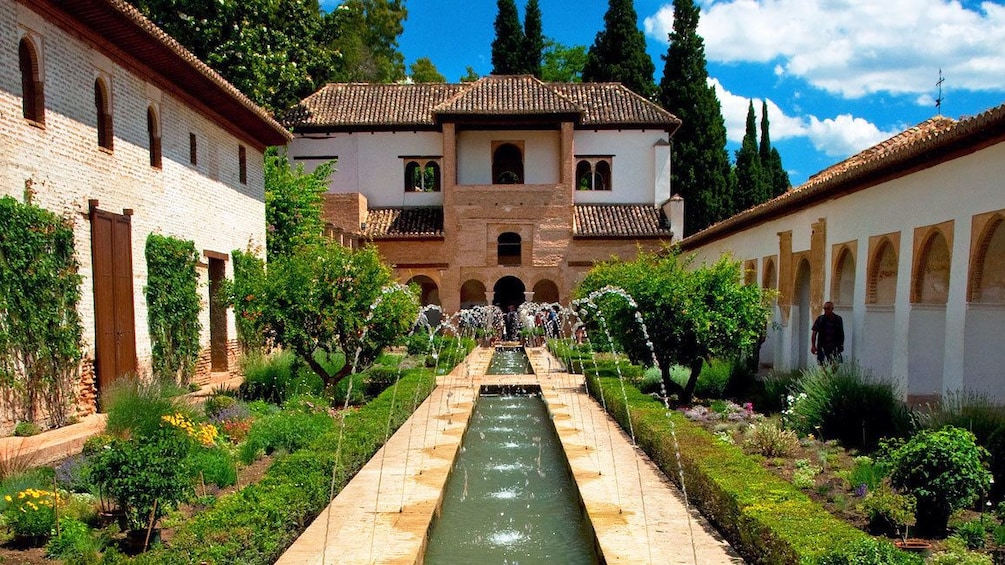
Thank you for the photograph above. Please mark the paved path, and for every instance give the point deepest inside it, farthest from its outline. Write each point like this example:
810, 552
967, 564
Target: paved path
383, 514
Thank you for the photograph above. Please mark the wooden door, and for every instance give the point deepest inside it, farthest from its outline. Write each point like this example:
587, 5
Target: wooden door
114, 320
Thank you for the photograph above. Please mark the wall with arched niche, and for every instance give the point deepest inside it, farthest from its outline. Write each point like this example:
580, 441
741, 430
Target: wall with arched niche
881, 295
984, 356
843, 291
926, 337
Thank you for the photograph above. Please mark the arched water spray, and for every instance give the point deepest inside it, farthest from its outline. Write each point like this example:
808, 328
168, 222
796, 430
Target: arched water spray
590, 300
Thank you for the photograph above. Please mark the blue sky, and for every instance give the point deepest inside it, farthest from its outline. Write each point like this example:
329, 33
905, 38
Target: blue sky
839, 75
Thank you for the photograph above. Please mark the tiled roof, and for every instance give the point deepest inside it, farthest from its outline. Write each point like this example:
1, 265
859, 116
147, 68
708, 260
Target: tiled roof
123, 26
926, 144
620, 220
359, 107
404, 223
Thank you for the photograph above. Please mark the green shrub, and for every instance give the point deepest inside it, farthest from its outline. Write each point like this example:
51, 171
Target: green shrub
218, 403
869, 551
356, 394
31, 513
378, 378
135, 407
845, 404
868, 472
956, 553
973, 532
770, 440
944, 471
996, 462
976, 412
26, 429
714, 378
76, 544
889, 512
287, 431
770, 392
214, 466
277, 377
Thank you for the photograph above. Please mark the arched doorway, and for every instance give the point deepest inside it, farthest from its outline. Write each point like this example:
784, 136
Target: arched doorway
545, 291
473, 294
429, 294
508, 291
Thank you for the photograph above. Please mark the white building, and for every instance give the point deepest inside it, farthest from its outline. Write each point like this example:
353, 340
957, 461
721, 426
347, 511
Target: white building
113, 124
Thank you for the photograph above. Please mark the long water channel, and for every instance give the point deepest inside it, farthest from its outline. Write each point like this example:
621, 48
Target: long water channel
510, 497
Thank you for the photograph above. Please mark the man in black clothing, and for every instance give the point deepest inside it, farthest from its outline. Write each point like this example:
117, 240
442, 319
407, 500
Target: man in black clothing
827, 339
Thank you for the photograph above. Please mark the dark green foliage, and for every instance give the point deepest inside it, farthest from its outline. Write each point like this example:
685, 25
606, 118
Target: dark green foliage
562, 63
890, 513
701, 168
533, 47
618, 53
286, 431
776, 178
761, 515
974, 533
292, 204
508, 55
868, 551
76, 544
996, 448
378, 378
973, 411
944, 470
172, 294
213, 466
240, 293
364, 40
423, 71
847, 404
26, 429
692, 314
750, 189
278, 377
40, 331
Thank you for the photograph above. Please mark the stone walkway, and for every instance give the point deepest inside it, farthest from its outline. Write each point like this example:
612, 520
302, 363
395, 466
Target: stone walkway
384, 513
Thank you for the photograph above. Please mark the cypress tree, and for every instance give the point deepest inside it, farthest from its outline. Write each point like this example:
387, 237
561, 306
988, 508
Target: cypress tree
618, 53
508, 45
749, 178
780, 177
534, 38
776, 178
701, 169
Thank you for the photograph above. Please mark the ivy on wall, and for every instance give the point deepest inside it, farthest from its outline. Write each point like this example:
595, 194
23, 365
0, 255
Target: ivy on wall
40, 329
173, 306
240, 293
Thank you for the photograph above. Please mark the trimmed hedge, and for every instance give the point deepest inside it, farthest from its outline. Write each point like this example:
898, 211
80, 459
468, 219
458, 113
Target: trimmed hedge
764, 517
258, 523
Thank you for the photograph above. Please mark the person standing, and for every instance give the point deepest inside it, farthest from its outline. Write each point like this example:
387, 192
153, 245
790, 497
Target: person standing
512, 321
827, 339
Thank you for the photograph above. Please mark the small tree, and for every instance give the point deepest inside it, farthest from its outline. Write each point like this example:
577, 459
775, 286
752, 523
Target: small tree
944, 471
292, 204
324, 298
691, 314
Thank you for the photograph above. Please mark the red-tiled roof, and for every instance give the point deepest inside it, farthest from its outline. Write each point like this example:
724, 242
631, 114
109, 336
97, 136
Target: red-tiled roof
124, 26
925, 145
620, 221
404, 223
359, 107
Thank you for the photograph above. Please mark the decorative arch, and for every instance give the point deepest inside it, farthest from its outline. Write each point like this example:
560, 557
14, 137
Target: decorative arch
987, 264
584, 175
103, 112
429, 291
750, 271
509, 248
769, 279
473, 294
843, 277
882, 274
32, 87
507, 164
422, 174
154, 136
932, 260
545, 291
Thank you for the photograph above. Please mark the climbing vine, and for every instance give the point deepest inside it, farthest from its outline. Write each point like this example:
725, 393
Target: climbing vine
40, 329
249, 276
173, 306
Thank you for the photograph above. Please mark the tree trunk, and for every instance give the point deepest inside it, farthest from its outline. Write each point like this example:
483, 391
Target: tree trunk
671, 385
692, 380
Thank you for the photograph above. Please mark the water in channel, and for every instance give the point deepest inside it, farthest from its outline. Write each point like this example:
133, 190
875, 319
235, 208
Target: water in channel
510, 497
509, 361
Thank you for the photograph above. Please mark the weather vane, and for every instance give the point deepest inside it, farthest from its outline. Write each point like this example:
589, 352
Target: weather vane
938, 101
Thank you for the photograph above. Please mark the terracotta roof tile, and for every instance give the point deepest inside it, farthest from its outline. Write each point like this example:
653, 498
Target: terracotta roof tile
359, 106
620, 220
928, 143
404, 223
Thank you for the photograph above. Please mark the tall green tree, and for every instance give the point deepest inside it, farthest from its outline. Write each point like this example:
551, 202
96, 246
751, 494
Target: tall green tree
508, 46
362, 36
561, 63
292, 204
775, 176
701, 168
534, 39
750, 180
692, 314
618, 53
423, 70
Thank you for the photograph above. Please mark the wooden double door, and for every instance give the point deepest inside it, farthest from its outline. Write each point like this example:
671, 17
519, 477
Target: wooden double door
114, 318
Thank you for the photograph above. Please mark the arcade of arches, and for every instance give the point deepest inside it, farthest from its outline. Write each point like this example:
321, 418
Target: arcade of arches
506, 291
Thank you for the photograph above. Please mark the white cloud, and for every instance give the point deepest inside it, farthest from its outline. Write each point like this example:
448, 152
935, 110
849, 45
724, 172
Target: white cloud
840, 136
856, 47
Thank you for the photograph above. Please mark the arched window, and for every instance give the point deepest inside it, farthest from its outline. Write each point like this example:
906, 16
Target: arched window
545, 291
473, 294
931, 273
508, 248
988, 271
32, 91
883, 275
103, 110
770, 277
843, 279
422, 175
154, 137
593, 173
507, 165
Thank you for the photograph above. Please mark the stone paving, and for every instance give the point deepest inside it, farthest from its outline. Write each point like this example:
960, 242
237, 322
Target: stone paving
384, 513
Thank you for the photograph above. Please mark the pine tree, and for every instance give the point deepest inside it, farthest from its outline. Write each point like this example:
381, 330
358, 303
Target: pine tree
701, 169
750, 186
534, 39
508, 46
776, 178
618, 53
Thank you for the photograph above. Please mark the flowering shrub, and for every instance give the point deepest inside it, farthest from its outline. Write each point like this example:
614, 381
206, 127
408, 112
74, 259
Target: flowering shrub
204, 434
236, 430
770, 440
724, 411
31, 513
